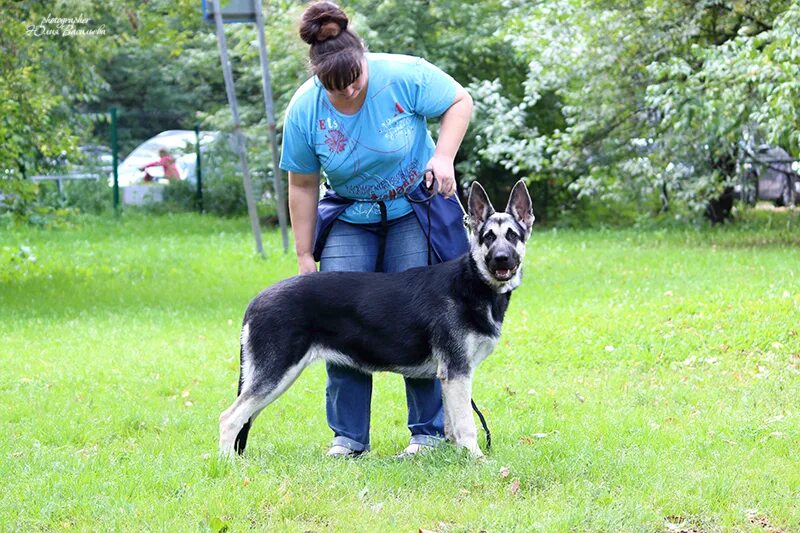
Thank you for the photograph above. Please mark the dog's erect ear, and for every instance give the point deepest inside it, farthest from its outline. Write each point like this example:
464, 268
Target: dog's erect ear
520, 206
480, 208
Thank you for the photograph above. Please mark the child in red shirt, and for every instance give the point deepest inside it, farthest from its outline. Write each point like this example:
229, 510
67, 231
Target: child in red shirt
166, 161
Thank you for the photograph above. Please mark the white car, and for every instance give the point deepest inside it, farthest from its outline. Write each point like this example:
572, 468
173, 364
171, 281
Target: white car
181, 145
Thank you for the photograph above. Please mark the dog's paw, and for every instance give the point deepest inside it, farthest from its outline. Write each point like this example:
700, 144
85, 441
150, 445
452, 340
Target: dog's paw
226, 451
473, 449
476, 453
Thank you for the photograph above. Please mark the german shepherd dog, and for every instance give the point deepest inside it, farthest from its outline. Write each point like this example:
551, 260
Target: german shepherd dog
437, 321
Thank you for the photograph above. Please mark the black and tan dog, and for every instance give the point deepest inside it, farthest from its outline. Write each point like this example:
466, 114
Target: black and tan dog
438, 321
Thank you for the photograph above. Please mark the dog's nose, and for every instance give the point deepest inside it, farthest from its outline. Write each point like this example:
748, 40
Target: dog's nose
501, 258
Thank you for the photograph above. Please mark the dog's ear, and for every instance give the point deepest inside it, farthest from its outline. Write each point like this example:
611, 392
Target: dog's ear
480, 208
520, 206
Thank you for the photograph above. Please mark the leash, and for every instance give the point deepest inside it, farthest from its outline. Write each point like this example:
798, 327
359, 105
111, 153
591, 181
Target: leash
483, 423
433, 190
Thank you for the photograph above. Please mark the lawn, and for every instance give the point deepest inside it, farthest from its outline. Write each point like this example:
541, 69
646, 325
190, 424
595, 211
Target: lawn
647, 380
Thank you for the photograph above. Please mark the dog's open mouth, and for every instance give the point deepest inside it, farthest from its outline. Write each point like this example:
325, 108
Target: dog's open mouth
505, 274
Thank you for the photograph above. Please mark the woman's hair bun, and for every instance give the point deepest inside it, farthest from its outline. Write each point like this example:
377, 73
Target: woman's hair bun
322, 21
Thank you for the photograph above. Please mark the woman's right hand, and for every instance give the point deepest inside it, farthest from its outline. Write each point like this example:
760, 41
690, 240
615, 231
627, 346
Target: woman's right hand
306, 264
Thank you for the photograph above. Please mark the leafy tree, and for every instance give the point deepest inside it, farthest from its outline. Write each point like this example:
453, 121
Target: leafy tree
617, 70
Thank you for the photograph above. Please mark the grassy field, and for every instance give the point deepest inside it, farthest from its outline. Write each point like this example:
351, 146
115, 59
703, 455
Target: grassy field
647, 380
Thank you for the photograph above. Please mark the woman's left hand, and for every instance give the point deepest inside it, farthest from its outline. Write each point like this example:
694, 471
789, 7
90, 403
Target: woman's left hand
445, 174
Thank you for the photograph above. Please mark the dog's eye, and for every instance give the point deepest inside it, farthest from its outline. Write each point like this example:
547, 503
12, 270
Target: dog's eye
489, 237
511, 236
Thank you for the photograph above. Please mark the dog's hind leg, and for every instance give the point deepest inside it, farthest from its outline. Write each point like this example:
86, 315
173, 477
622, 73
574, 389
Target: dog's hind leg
241, 439
245, 379
247, 406
233, 419
260, 385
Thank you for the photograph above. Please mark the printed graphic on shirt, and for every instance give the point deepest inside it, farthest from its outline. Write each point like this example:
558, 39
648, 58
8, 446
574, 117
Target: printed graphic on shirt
379, 188
397, 126
336, 141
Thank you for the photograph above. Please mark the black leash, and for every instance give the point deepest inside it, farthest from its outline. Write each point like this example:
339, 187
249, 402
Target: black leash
433, 190
483, 423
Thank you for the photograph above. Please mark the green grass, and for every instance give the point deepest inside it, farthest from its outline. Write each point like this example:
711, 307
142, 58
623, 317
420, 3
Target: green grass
647, 380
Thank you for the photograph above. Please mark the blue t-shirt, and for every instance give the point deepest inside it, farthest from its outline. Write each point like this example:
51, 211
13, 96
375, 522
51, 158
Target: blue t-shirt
381, 151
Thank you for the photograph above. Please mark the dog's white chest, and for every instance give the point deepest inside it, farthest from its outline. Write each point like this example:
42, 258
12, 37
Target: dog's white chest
478, 347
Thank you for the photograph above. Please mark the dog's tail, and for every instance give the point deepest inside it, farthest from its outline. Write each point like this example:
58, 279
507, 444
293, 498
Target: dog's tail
241, 438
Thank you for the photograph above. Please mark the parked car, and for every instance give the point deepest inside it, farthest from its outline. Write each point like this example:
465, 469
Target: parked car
180, 143
771, 176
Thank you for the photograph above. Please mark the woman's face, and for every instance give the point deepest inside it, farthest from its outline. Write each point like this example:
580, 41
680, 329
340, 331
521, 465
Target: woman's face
354, 90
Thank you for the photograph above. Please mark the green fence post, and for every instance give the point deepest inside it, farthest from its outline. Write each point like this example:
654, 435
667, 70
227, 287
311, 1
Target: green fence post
198, 170
115, 158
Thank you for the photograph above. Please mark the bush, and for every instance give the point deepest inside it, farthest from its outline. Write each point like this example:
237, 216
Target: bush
179, 196
22, 204
88, 196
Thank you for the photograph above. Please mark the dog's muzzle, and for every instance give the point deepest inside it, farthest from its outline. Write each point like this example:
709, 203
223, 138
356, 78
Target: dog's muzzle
503, 266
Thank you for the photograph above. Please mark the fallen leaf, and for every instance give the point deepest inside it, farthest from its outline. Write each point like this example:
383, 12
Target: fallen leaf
217, 525
505, 471
245, 482
609, 348
185, 394
188, 403
579, 397
514, 488
363, 493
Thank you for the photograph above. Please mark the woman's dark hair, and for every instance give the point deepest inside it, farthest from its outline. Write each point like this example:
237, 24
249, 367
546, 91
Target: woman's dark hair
336, 52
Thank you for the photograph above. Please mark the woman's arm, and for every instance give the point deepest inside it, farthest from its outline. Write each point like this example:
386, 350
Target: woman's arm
303, 199
451, 132
159, 163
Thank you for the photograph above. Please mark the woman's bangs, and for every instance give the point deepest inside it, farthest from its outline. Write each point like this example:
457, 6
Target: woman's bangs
341, 73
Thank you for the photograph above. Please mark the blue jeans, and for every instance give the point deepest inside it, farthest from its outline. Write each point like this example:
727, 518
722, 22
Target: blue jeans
354, 248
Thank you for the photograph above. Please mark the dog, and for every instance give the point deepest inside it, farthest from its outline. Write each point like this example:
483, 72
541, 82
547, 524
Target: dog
436, 321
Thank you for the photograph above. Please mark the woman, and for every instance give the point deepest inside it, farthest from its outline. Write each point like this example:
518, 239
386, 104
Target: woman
361, 119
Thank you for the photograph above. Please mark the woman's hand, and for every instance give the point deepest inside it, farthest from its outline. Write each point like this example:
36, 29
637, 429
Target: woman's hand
442, 167
306, 264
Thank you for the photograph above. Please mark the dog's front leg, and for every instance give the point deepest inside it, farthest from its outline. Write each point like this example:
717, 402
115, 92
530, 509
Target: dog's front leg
457, 399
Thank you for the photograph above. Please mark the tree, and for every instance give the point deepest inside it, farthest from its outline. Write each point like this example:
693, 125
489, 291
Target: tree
629, 79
